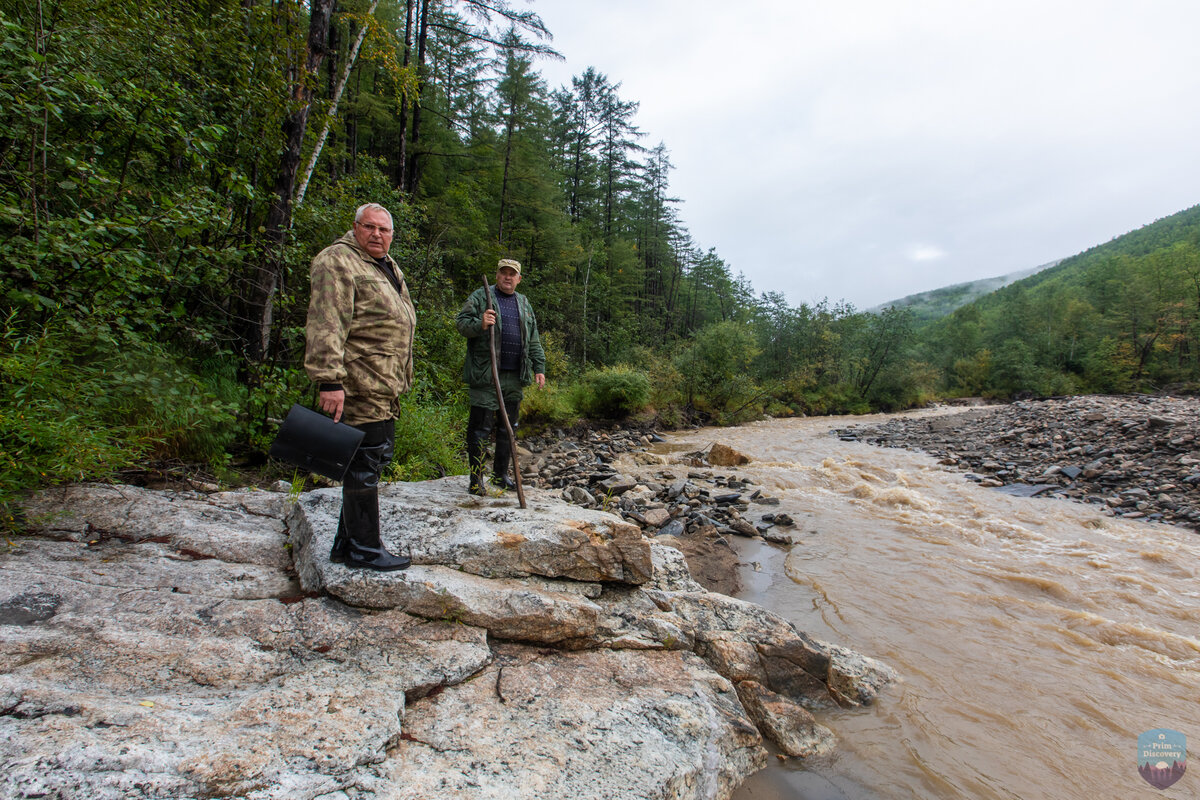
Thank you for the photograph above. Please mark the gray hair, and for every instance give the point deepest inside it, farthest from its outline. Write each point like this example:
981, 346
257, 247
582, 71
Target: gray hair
365, 207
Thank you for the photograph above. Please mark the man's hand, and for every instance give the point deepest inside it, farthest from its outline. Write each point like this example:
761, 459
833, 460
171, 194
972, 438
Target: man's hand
333, 402
489, 318
540, 380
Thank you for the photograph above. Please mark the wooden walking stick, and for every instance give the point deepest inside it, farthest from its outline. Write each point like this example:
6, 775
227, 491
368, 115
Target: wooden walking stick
512, 440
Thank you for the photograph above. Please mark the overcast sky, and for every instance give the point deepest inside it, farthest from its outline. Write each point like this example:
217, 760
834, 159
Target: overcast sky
869, 149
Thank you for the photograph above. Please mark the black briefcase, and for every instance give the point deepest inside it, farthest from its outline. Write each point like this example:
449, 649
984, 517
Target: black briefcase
316, 443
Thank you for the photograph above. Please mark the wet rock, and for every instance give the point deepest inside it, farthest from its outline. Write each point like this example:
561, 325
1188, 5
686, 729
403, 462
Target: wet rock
633, 722
132, 665
672, 528
775, 537
742, 528
578, 495
248, 529
788, 725
166, 672
146, 681
656, 517
617, 485
722, 455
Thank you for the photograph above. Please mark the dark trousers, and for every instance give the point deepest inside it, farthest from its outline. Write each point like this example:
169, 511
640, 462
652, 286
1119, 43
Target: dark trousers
480, 422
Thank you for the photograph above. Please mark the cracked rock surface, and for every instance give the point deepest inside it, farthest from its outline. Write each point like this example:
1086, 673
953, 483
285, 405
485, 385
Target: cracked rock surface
182, 645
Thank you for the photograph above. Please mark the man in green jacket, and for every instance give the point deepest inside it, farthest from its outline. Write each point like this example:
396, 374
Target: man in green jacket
359, 353
511, 324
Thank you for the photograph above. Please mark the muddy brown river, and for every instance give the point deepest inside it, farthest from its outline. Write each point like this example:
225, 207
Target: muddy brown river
1036, 638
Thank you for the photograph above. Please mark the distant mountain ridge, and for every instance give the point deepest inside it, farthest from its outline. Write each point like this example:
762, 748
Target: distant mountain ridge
937, 303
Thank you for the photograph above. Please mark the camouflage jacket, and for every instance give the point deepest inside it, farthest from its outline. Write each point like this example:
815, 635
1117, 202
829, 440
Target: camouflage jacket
360, 331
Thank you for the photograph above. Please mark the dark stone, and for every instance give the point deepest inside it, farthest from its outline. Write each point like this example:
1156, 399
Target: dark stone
1023, 489
672, 528
28, 608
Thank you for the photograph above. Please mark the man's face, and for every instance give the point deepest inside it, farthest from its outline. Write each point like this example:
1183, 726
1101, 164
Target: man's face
374, 232
507, 279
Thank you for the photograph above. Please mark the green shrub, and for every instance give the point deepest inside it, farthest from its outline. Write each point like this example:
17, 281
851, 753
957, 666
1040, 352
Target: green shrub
716, 368
549, 406
78, 402
612, 392
429, 440
666, 382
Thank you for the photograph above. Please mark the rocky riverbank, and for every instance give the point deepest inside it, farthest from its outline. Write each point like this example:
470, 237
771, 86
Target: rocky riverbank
1134, 456
693, 502
185, 644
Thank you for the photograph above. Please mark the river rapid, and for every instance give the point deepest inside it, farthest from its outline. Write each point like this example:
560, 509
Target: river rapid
1036, 638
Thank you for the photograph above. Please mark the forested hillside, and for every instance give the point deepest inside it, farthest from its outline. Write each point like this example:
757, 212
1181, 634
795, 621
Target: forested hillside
1120, 317
167, 171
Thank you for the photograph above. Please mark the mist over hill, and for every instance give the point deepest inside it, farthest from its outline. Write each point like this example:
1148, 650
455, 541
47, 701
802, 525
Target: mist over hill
937, 303
1123, 316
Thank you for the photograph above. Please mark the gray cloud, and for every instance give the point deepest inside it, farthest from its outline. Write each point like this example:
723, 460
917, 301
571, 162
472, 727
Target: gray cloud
832, 150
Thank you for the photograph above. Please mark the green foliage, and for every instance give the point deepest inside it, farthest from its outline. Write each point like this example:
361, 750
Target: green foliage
77, 403
428, 440
553, 405
716, 368
612, 392
1124, 316
666, 381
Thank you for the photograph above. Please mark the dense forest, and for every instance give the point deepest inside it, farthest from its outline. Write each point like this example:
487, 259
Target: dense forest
167, 171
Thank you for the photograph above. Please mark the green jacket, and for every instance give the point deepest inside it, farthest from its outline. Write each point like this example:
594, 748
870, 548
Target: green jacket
477, 369
360, 331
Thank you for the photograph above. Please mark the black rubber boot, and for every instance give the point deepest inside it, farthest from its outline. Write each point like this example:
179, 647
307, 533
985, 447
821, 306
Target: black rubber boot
479, 426
340, 541
364, 548
359, 522
502, 462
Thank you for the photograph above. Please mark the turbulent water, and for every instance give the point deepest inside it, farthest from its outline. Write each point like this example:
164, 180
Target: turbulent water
1036, 638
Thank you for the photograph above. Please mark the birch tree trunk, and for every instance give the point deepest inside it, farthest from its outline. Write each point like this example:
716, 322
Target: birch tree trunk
266, 278
337, 97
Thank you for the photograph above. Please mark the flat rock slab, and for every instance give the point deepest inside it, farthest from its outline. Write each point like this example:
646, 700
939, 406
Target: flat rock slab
130, 670
616, 725
437, 522
238, 527
546, 612
171, 650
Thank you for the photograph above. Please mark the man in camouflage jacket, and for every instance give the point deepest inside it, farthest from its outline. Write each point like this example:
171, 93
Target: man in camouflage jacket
359, 353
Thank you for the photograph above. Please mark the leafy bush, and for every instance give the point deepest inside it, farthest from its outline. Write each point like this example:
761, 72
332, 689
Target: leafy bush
78, 402
550, 406
666, 382
613, 392
429, 440
716, 368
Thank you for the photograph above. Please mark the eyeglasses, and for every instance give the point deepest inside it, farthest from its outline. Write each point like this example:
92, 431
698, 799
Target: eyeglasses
382, 231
